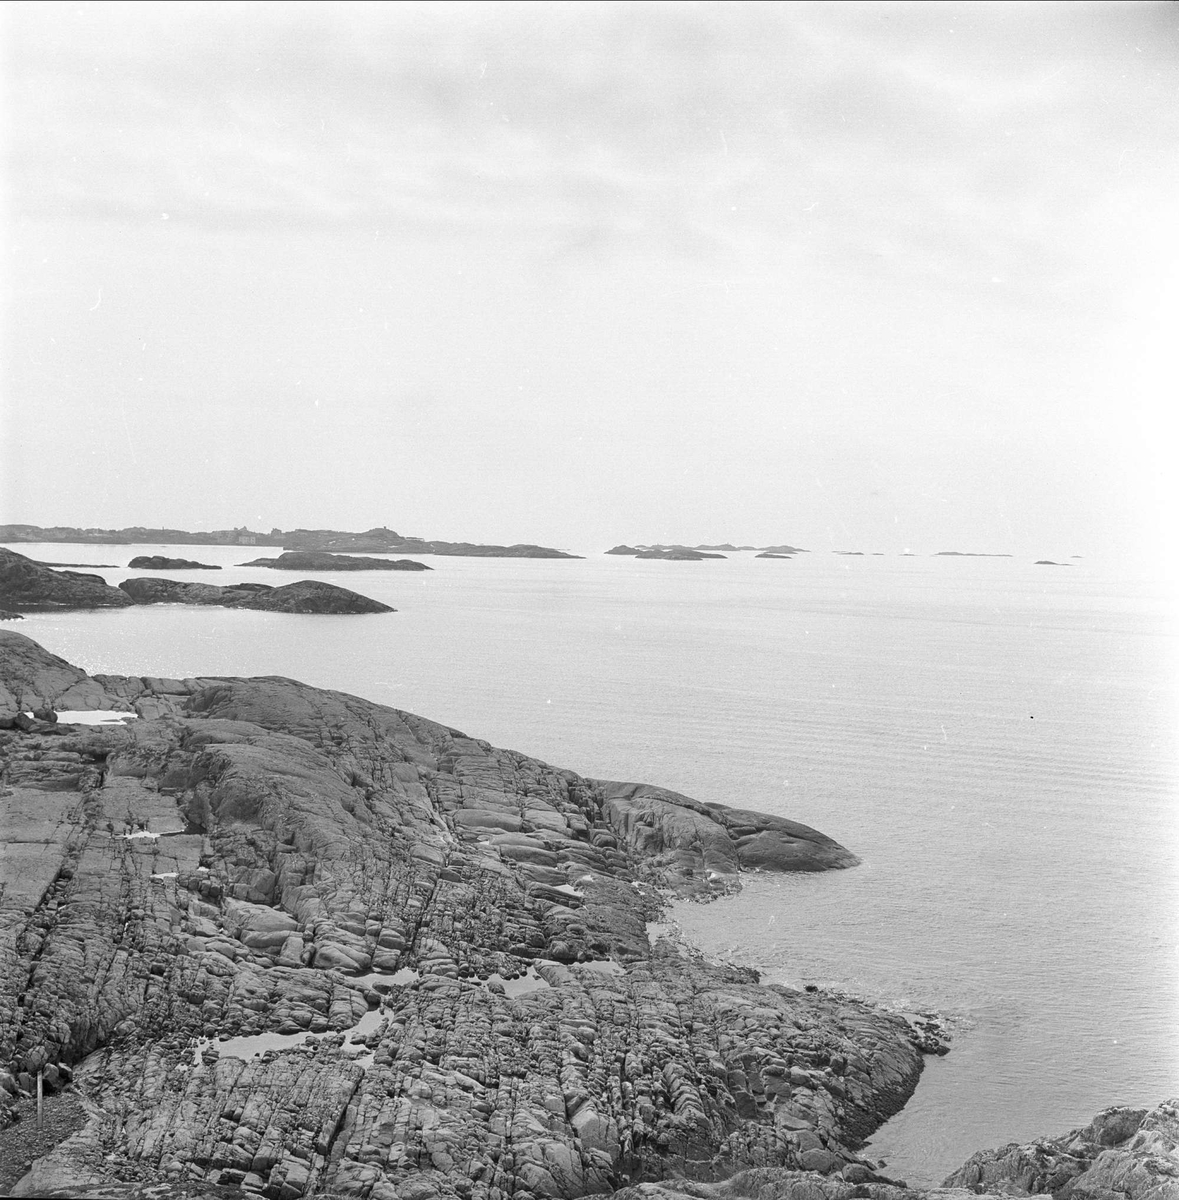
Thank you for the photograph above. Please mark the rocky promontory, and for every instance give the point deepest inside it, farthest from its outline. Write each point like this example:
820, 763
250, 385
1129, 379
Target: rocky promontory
321, 560
158, 562
262, 939
306, 596
28, 586
292, 942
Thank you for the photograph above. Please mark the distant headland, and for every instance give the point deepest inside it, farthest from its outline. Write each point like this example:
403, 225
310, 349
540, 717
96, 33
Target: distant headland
380, 540
678, 553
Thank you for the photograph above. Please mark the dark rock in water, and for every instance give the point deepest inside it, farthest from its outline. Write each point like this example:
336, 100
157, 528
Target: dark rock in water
306, 596
320, 560
1047, 562
92, 566
28, 585
783, 550
623, 550
255, 856
157, 562
850, 553
770, 554
5, 615
967, 554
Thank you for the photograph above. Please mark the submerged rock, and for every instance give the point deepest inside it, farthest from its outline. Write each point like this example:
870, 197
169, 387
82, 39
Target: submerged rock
30, 586
306, 596
157, 562
258, 856
321, 560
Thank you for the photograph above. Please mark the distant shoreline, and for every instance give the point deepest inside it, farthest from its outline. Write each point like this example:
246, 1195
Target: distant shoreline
373, 541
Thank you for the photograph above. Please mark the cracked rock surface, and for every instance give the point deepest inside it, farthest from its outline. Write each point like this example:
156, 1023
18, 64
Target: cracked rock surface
1122, 1154
285, 941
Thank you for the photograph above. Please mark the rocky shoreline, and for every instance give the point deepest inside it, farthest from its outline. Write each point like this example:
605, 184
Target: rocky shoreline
33, 586
282, 941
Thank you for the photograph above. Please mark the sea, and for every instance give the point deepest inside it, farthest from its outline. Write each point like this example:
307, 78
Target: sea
997, 740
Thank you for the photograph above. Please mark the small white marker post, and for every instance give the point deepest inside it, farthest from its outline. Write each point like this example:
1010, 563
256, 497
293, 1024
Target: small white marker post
40, 1101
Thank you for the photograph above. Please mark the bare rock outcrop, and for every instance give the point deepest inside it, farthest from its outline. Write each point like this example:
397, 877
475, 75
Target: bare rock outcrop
321, 560
1122, 1152
306, 596
291, 942
28, 586
159, 562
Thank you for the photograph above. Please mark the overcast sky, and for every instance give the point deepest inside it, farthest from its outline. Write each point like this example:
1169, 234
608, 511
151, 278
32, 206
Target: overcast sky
857, 276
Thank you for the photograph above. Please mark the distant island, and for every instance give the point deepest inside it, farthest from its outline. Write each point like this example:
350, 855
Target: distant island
667, 553
373, 541
967, 554
676, 552
29, 586
157, 562
321, 560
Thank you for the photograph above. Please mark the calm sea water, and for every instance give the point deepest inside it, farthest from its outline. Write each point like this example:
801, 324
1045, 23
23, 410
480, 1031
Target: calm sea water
996, 740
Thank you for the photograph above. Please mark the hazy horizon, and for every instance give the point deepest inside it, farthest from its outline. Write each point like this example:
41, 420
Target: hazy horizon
855, 276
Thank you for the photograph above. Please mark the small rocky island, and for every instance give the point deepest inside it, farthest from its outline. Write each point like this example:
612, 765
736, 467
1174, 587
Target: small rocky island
158, 562
321, 560
667, 553
306, 596
286, 942
680, 553
32, 587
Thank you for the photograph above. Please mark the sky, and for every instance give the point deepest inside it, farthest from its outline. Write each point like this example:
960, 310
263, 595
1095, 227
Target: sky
849, 276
